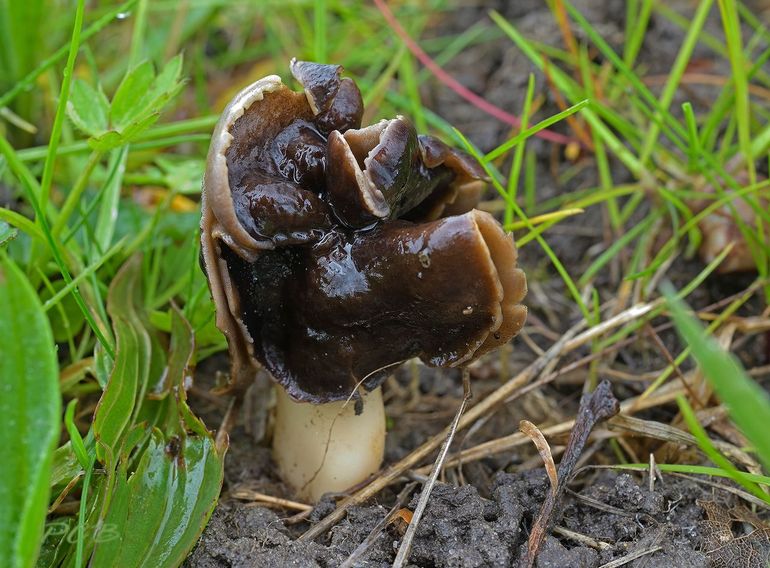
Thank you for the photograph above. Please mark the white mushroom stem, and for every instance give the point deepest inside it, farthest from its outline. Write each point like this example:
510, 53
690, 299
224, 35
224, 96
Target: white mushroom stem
322, 448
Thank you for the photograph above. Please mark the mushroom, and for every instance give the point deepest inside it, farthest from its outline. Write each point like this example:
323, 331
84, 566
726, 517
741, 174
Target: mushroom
334, 253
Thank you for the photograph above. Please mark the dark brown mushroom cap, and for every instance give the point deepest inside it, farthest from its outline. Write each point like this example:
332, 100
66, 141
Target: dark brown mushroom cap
321, 263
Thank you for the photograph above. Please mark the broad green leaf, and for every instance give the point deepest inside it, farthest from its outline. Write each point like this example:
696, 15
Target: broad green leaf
132, 359
142, 123
138, 102
114, 139
747, 403
7, 233
132, 94
65, 465
59, 531
88, 108
30, 408
158, 512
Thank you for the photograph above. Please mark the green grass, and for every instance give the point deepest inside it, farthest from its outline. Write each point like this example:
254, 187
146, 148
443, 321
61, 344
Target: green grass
107, 108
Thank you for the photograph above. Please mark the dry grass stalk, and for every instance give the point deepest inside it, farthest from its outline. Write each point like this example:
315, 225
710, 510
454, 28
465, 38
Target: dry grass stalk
264, 499
666, 433
406, 543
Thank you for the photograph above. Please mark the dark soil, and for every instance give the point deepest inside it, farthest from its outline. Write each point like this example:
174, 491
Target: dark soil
481, 515
463, 529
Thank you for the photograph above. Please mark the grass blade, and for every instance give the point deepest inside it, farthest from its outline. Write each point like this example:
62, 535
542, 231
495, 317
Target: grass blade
747, 403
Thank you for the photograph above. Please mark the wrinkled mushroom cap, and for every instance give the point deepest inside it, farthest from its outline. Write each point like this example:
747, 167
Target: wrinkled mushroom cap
336, 252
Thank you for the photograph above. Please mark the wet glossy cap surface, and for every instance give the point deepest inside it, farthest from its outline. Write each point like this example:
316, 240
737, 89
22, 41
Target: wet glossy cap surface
336, 252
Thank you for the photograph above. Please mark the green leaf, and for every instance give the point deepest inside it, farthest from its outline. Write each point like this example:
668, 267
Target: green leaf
65, 465
138, 102
113, 139
56, 541
107, 141
747, 403
88, 108
167, 80
132, 357
157, 513
183, 176
132, 94
78, 446
103, 364
30, 408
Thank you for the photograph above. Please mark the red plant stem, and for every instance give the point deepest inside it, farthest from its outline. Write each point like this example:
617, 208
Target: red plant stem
457, 87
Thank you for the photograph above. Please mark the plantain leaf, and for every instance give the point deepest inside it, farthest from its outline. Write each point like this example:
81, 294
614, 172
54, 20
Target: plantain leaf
30, 408
157, 513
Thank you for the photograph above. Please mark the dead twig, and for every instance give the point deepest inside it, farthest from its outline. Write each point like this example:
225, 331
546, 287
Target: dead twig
265, 499
595, 407
665, 394
583, 539
666, 433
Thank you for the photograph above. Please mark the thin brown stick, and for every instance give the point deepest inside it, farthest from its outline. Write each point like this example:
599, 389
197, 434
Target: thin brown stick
582, 538
667, 433
263, 498
595, 407
631, 556
665, 394
406, 543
